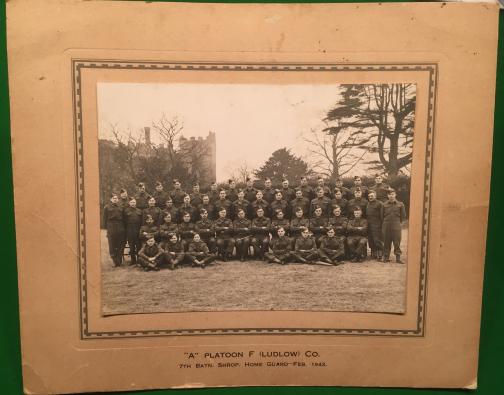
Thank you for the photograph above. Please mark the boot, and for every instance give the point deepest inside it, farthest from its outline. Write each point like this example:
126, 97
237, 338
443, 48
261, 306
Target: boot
398, 258
386, 258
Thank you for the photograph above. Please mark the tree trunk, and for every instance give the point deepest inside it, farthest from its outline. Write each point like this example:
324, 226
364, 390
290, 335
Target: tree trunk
335, 164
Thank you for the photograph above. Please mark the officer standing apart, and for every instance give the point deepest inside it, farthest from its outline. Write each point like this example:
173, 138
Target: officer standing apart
113, 220
394, 214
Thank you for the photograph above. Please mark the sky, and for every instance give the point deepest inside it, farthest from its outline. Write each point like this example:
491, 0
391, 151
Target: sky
250, 121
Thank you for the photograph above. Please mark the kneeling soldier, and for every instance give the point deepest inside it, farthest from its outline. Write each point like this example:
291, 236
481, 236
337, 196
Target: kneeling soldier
260, 230
305, 250
332, 248
198, 252
281, 248
186, 230
224, 230
173, 252
205, 228
241, 227
150, 255
357, 236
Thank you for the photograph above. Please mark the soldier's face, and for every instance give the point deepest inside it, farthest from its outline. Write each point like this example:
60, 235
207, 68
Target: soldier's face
195, 188
260, 213
330, 233
250, 183
187, 217
241, 214
142, 188
320, 182
378, 179
259, 195
267, 183
114, 199
371, 197
187, 199
150, 242
304, 233
222, 195
132, 203
169, 203
304, 181
278, 196
357, 214
213, 187
339, 183
167, 218
241, 195
206, 199
285, 184
299, 194
392, 196
197, 237
204, 215
337, 212
149, 221
337, 195
177, 185
124, 194
280, 215
318, 212
299, 214
152, 202
357, 181
358, 194
320, 193
281, 232
232, 185
173, 239
222, 213
159, 188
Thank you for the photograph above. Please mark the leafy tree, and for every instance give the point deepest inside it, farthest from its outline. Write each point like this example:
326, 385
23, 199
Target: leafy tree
283, 164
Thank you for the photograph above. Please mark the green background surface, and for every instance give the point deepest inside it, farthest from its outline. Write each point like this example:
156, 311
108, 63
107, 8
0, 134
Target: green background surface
491, 367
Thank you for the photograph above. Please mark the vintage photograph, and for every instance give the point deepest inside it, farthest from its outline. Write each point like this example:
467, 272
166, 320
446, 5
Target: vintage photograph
222, 197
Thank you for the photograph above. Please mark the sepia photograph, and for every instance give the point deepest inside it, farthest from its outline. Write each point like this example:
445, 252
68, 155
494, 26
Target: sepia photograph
252, 197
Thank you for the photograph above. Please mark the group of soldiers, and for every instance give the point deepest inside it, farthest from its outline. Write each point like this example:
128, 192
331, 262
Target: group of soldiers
302, 224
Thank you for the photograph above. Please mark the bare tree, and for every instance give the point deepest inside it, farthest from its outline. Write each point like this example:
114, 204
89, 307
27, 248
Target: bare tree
128, 148
169, 131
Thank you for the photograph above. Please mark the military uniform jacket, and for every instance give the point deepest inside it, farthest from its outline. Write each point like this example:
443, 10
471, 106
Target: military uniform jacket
345, 193
339, 224
113, 213
186, 230
152, 251
167, 229
196, 199
288, 194
261, 226
297, 223
174, 247
205, 227
357, 227
318, 225
213, 196
332, 243
223, 227
142, 200
154, 212
198, 247
381, 191
303, 202
133, 216
305, 244
241, 204
327, 191
281, 244
161, 198
279, 204
323, 202
262, 204
308, 192
151, 230
342, 203
242, 227
268, 194
279, 223
374, 212
231, 195
219, 204
124, 202
362, 203
394, 212
177, 196
250, 194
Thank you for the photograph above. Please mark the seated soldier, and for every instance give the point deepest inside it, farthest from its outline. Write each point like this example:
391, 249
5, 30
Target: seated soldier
259, 203
321, 201
240, 204
173, 252
357, 201
357, 236
298, 223
148, 230
205, 228
196, 197
153, 211
223, 203
170, 208
318, 225
278, 222
305, 250
167, 228
198, 252
340, 201
186, 230
224, 230
186, 207
338, 222
281, 248
278, 204
241, 228
298, 201
209, 207
332, 248
260, 232
150, 255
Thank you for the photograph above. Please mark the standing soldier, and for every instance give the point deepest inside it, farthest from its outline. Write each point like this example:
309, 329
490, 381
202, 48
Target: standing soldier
150, 229
213, 194
160, 195
113, 220
340, 201
259, 203
318, 225
186, 230
174, 252
305, 250
268, 192
298, 201
153, 211
250, 191
325, 188
260, 231
142, 197
123, 198
380, 188
332, 248
281, 248
186, 207
232, 193
306, 189
374, 212
345, 192
196, 198
394, 214
223, 203
205, 228
287, 192
357, 201
242, 228
279, 203
166, 229
177, 195
279, 222
174, 212
198, 252
209, 207
338, 222
150, 255
133, 221
357, 236
358, 185
240, 204
297, 224
321, 201
224, 231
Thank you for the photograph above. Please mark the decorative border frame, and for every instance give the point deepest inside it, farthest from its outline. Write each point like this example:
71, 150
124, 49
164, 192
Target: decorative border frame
79, 64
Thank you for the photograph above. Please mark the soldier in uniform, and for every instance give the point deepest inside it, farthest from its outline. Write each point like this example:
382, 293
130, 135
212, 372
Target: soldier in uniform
332, 248
150, 229
150, 255
281, 247
242, 228
166, 229
153, 211
205, 228
306, 189
279, 203
142, 197
196, 198
160, 195
357, 201
209, 207
297, 224
113, 220
380, 188
374, 212
357, 236
177, 195
250, 191
173, 252
268, 192
224, 232
259, 203
186, 207
325, 188
358, 185
338, 222
232, 193
123, 198
318, 225
223, 203
174, 212
260, 231
298, 201
345, 192
321, 201
287, 192
240, 204
394, 214
133, 221
279, 221
339, 201
305, 250
213, 194
198, 253
186, 230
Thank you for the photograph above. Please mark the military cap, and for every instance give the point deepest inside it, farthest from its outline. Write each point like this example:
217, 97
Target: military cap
122, 190
131, 198
141, 185
203, 211
390, 190
358, 189
113, 194
175, 180
195, 184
